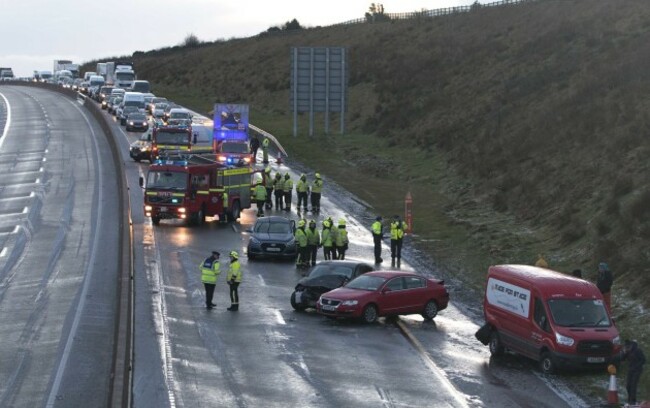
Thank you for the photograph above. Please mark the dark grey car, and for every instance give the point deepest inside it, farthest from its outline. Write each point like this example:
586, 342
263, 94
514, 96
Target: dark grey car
326, 276
272, 237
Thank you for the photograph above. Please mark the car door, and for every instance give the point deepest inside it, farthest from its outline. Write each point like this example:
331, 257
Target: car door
391, 297
415, 294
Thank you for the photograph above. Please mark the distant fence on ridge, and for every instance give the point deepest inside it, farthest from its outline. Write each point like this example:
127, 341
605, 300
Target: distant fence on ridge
432, 13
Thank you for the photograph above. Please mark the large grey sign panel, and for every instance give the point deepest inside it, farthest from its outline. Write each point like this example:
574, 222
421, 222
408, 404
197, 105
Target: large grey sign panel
319, 80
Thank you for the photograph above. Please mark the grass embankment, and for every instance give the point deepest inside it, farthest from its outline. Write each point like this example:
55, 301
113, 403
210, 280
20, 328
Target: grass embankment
518, 130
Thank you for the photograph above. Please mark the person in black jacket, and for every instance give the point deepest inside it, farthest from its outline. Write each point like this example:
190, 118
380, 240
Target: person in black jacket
604, 283
636, 359
255, 144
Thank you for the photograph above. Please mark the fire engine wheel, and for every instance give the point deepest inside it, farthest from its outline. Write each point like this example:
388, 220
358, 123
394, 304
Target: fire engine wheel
233, 215
155, 220
199, 217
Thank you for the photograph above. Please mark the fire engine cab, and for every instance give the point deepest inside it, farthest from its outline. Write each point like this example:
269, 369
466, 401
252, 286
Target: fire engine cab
170, 139
195, 186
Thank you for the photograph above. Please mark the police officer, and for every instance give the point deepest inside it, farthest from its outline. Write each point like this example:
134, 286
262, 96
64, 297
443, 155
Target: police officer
302, 189
316, 189
268, 183
209, 273
260, 198
234, 279
278, 186
265, 150
333, 232
377, 236
301, 239
288, 191
326, 240
313, 242
396, 237
341, 239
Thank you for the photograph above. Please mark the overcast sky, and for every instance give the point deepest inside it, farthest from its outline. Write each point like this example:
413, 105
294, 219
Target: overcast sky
33, 33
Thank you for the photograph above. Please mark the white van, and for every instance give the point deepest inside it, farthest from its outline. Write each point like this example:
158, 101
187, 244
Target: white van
133, 99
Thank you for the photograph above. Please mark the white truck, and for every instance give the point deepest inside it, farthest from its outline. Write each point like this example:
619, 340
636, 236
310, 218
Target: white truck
101, 69
124, 75
6, 74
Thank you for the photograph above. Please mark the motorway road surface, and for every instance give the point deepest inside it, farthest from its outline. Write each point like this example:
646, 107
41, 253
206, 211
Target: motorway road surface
266, 355
57, 252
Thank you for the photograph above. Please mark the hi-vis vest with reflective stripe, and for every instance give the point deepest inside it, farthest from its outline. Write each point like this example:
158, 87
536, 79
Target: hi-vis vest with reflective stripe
396, 230
234, 272
210, 270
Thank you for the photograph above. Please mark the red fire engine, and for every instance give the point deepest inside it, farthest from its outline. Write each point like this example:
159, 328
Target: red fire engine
170, 139
195, 186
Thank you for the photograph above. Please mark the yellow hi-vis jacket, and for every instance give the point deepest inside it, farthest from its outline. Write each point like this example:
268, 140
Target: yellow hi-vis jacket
377, 228
209, 270
234, 271
396, 230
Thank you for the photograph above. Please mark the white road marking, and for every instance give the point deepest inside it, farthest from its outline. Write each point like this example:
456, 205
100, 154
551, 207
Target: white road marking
56, 384
261, 280
279, 318
6, 129
3, 252
459, 397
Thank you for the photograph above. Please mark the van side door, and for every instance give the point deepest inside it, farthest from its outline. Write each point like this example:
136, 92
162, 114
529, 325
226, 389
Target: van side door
541, 328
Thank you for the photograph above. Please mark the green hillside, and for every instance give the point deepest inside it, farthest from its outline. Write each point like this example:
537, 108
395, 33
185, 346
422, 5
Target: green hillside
519, 130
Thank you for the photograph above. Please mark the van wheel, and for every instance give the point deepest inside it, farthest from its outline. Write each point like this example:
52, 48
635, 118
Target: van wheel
547, 363
430, 310
496, 348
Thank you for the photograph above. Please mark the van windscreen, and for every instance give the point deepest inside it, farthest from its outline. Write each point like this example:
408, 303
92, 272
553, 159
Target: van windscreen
579, 313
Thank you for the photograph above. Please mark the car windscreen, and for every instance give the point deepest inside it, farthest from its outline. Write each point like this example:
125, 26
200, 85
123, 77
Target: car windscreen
234, 148
329, 269
579, 312
366, 282
272, 227
178, 138
167, 180
138, 117
179, 115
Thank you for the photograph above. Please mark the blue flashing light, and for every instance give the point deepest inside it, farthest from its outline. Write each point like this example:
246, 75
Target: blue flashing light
170, 162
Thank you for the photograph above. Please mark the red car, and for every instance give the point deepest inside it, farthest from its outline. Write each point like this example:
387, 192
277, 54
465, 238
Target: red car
385, 293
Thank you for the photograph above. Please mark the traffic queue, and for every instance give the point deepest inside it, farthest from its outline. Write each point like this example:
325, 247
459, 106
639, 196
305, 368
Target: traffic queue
557, 320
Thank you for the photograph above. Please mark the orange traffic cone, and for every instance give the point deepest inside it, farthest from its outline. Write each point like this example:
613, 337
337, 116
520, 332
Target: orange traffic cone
612, 391
279, 159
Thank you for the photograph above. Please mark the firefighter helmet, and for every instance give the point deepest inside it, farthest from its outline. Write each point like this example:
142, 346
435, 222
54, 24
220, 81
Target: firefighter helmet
317, 175
301, 223
234, 254
341, 222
